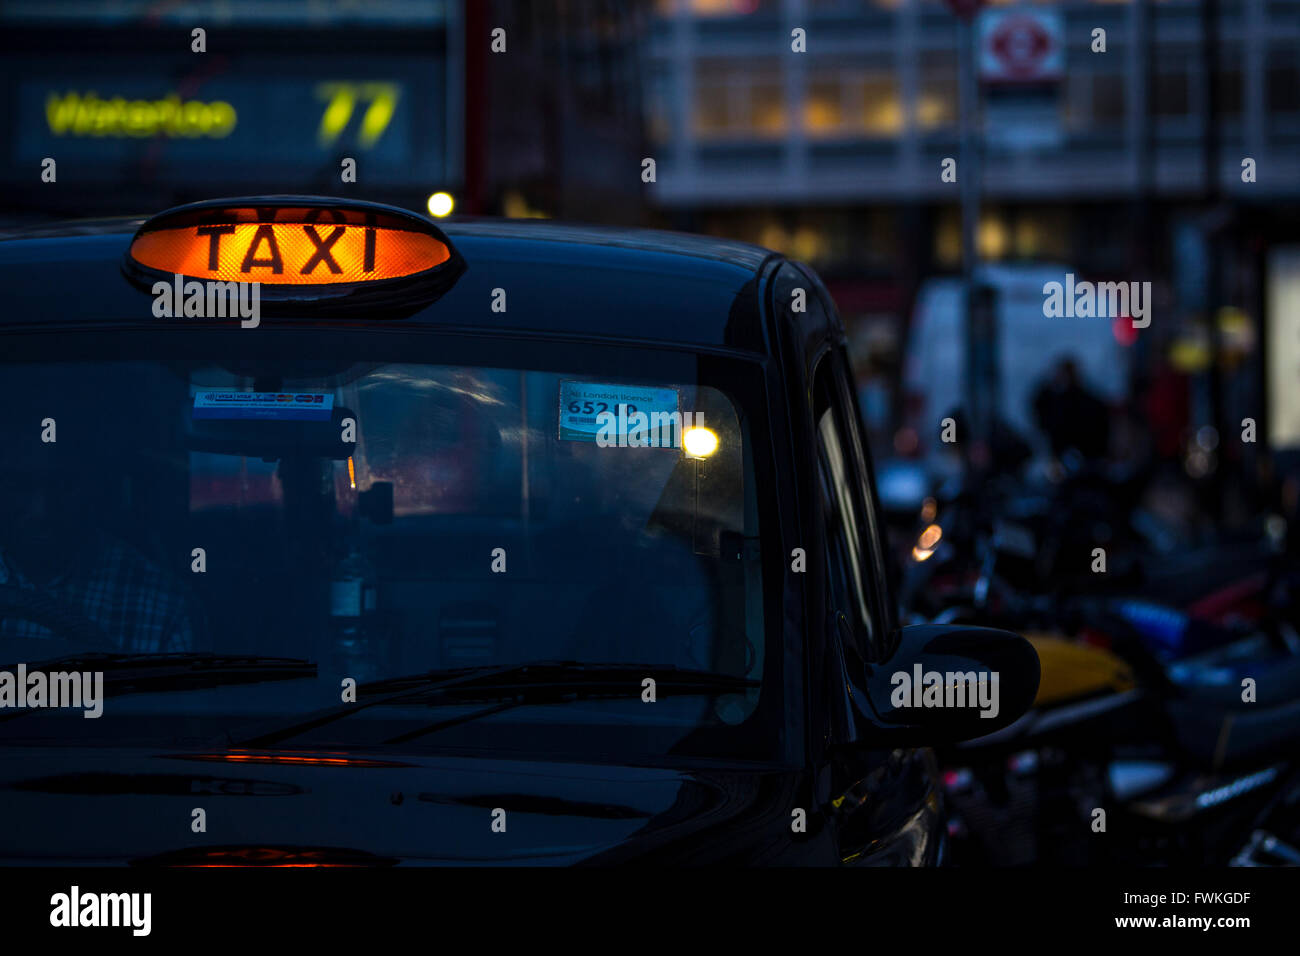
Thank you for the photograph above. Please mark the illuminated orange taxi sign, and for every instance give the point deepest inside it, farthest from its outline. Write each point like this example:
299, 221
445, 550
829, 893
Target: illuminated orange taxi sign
302, 250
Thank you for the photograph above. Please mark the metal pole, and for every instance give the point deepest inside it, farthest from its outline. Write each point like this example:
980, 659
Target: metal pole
1213, 239
1141, 54
1140, 59
968, 177
473, 40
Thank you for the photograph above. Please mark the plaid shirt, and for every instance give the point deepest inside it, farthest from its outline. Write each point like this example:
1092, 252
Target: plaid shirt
135, 603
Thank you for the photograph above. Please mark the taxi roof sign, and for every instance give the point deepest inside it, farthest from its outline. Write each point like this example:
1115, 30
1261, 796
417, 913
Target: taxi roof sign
330, 254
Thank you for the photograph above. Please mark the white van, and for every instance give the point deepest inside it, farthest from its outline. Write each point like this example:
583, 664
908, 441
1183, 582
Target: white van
1029, 346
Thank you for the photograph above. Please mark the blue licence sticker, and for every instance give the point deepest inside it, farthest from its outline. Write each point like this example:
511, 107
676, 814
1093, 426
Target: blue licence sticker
616, 413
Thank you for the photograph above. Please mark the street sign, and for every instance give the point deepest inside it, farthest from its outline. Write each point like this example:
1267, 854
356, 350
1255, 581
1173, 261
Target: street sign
1021, 60
1020, 46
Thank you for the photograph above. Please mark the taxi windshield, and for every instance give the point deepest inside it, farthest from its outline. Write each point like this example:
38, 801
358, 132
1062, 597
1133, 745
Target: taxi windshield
384, 519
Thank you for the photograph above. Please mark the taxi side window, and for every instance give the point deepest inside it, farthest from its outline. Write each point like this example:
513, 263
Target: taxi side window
849, 563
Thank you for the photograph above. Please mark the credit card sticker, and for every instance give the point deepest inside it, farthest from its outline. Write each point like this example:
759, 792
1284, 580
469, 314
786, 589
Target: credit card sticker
269, 406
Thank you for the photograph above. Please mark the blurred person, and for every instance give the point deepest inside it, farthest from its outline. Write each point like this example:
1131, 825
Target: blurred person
1006, 451
1168, 409
873, 351
54, 543
49, 546
1070, 415
645, 525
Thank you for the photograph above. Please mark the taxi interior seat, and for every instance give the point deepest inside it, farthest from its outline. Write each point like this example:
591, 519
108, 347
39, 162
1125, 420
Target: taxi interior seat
572, 591
447, 606
242, 593
652, 599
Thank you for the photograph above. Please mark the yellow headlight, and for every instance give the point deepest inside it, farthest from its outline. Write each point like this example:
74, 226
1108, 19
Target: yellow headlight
700, 442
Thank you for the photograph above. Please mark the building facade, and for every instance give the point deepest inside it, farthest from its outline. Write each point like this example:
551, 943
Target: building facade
865, 117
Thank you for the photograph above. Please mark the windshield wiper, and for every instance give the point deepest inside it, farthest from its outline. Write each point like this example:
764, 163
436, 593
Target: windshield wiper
552, 682
560, 675
104, 660
538, 682
147, 673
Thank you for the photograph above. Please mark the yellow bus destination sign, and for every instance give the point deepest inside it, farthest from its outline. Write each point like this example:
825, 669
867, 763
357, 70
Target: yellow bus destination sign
87, 114
235, 126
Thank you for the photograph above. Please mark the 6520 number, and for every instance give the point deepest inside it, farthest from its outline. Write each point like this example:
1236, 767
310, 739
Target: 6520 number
594, 408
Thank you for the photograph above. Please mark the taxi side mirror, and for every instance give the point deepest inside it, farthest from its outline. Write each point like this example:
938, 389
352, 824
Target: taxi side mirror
947, 683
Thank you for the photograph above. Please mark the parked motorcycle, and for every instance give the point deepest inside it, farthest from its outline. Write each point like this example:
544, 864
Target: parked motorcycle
1144, 745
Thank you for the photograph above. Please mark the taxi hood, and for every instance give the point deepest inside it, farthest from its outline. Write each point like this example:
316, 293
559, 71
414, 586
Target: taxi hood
374, 811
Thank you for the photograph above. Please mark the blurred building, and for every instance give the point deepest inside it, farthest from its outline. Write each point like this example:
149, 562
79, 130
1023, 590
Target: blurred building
859, 125
555, 123
139, 112
422, 96
1095, 160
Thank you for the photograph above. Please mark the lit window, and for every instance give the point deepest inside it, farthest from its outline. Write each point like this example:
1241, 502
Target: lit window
882, 111
766, 107
992, 236
711, 112
937, 104
824, 109
725, 8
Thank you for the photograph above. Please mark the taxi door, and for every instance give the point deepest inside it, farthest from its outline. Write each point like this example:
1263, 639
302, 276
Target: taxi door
884, 806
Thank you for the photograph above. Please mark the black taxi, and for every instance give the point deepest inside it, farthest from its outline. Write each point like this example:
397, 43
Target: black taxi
331, 535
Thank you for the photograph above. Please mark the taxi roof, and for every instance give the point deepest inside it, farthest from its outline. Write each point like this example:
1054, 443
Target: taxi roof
622, 283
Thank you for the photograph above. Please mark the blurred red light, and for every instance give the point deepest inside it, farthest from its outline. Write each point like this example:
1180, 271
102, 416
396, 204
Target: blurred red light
1125, 333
